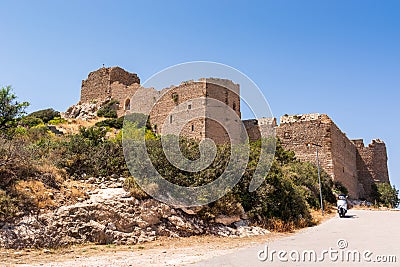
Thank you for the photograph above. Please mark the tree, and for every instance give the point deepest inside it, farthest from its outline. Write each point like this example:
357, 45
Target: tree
388, 195
10, 108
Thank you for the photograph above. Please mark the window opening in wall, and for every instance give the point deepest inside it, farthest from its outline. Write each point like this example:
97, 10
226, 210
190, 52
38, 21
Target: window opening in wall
226, 97
234, 106
192, 128
175, 97
190, 106
170, 119
128, 104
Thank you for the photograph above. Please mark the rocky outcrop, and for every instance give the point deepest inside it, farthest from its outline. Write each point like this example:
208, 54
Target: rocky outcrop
111, 216
83, 111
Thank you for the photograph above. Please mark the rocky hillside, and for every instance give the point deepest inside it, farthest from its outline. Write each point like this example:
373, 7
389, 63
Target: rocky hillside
110, 215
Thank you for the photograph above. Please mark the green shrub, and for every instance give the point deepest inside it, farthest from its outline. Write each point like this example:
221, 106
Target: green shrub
108, 110
95, 135
56, 120
112, 123
45, 115
89, 152
30, 121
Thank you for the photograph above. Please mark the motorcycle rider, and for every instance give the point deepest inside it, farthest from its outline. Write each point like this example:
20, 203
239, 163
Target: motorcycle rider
342, 205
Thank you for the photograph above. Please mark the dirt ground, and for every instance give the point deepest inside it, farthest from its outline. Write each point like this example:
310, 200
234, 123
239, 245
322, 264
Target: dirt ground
162, 252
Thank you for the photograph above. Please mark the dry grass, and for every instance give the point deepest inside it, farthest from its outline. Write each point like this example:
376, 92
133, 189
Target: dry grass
51, 175
72, 125
329, 212
73, 191
35, 192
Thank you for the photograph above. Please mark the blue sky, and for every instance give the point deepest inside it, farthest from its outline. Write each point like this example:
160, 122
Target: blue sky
336, 57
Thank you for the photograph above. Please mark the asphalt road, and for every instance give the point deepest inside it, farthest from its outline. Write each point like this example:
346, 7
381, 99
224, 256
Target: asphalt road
363, 238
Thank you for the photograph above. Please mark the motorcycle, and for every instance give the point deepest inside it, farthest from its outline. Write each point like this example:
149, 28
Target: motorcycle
342, 205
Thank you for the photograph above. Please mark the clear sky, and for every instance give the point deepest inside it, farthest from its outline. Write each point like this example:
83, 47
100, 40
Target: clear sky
336, 57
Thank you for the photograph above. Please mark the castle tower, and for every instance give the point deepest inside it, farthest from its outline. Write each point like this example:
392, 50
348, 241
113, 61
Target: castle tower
371, 165
195, 109
110, 83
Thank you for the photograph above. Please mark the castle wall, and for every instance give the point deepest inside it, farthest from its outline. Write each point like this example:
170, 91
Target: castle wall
297, 133
344, 161
145, 98
196, 109
252, 129
363, 174
97, 86
371, 164
224, 91
257, 128
123, 94
337, 155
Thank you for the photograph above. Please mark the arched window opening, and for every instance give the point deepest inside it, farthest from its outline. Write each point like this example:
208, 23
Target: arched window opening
128, 104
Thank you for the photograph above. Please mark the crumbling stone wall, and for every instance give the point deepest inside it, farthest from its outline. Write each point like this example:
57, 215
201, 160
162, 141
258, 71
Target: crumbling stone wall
98, 85
298, 133
254, 128
371, 165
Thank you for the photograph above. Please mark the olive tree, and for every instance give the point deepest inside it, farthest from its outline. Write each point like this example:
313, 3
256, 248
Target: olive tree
10, 108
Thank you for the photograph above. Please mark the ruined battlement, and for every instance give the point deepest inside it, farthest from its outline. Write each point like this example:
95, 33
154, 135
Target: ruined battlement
98, 85
304, 117
350, 162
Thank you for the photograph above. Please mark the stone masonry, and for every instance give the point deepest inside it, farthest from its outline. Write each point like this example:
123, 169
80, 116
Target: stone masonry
371, 164
110, 83
348, 161
337, 153
210, 108
193, 108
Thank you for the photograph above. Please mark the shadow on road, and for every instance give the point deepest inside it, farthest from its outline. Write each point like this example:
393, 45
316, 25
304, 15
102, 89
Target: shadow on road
350, 217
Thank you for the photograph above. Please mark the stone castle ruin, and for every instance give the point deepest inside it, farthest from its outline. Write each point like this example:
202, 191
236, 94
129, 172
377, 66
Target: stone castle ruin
356, 166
